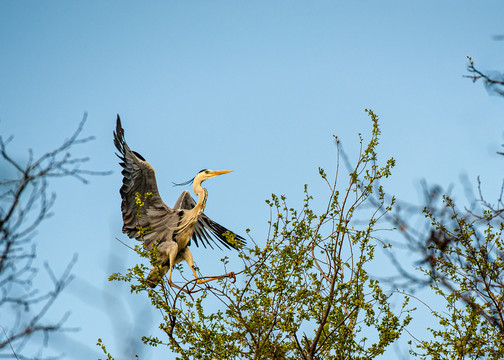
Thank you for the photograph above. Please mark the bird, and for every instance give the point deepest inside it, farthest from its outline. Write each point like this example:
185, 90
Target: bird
168, 231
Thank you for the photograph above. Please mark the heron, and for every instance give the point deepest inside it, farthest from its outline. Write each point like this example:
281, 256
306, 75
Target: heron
168, 231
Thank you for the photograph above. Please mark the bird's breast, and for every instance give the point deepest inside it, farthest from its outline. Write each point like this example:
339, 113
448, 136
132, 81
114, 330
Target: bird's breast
183, 235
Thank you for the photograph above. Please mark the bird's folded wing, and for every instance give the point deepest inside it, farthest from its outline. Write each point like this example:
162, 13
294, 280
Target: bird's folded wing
145, 215
208, 231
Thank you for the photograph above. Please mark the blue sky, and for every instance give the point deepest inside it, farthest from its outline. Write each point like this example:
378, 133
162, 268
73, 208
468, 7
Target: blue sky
257, 87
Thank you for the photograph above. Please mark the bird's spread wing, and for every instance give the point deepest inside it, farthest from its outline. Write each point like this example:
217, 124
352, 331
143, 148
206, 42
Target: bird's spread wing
146, 217
207, 230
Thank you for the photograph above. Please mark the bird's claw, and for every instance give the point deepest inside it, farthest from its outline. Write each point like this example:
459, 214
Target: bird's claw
198, 281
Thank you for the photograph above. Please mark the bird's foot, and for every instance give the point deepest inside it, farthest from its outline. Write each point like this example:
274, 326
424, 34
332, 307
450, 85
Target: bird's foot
178, 287
230, 275
187, 291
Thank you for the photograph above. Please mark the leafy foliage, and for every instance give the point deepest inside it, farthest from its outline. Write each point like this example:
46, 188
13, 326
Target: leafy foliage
466, 270
305, 293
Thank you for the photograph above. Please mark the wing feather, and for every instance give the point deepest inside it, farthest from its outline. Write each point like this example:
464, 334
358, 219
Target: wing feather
207, 230
139, 178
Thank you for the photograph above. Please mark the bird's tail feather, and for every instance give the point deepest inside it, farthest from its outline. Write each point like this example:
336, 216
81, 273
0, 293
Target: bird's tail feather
156, 274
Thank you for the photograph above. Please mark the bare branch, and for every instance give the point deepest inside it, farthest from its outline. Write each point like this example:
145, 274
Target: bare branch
24, 203
494, 83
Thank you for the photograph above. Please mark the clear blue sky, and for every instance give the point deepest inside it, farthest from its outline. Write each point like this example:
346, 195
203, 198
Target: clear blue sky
258, 87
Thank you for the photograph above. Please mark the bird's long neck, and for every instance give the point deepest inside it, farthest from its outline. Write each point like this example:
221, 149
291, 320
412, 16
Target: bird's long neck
202, 195
187, 222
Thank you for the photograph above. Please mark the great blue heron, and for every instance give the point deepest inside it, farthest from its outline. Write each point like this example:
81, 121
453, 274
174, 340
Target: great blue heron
156, 224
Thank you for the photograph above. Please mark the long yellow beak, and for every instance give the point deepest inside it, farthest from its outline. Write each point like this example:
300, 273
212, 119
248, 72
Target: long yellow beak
220, 172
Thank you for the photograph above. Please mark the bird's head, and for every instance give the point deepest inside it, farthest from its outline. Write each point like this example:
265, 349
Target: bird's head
206, 174
203, 175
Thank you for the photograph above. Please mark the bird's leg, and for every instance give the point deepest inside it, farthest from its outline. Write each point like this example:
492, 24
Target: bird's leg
169, 279
187, 291
189, 259
200, 281
207, 280
173, 256
229, 275
194, 272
